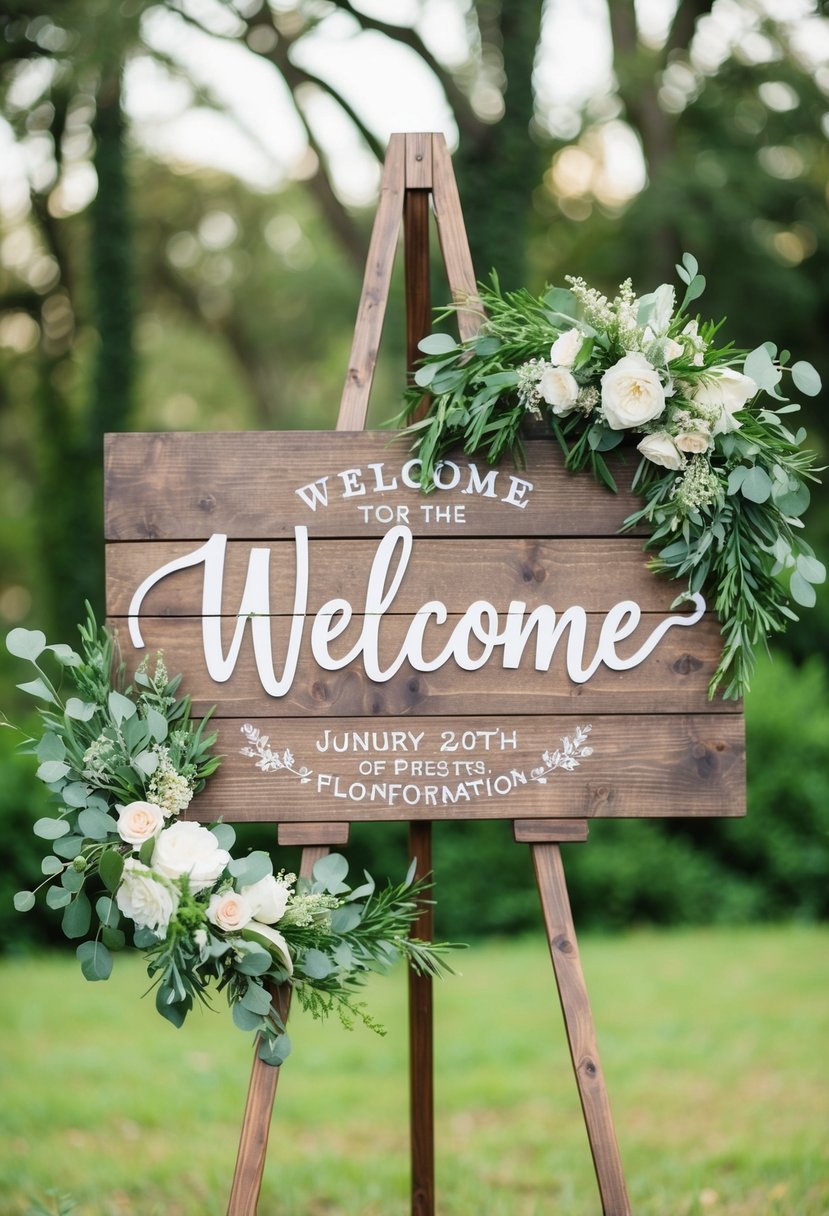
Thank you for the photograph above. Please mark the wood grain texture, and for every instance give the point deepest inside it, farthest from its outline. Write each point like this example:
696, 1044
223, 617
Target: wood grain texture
264, 1079
581, 1033
673, 679
306, 834
594, 573
180, 486
538, 831
454, 243
374, 296
421, 1044
640, 766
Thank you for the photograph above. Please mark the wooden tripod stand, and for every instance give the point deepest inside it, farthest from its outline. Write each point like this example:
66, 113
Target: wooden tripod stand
417, 169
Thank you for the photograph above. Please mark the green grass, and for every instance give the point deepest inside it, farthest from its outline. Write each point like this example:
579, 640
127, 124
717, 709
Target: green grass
714, 1045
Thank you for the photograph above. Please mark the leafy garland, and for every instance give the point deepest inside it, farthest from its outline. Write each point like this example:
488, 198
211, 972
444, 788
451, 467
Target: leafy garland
123, 762
723, 477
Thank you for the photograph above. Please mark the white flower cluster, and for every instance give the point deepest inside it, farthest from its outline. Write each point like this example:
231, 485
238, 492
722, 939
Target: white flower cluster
679, 414
168, 788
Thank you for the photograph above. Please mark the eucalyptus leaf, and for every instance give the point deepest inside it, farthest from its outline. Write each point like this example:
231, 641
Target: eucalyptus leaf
803, 593
330, 871
50, 829
95, 824
244, 1018
26, 643
811, 569
315, 964
794, 502
72, 880
80, 711
75, 794
95, 960
50, 747
806, 378
759, 367
157, 724
120, 707
58, 897
171, 1009
274, 1050
52, 770
77, 917
108, 913
38, 688
146, 763
114, 938
110, 868
561, 300
225, 835
346, 918
256, 999
24, 901
255, 961
68, 847
51, 865
756, 485
65, 655
249, 870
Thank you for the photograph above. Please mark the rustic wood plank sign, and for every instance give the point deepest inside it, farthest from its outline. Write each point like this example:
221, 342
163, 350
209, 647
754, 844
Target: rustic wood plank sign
492, 650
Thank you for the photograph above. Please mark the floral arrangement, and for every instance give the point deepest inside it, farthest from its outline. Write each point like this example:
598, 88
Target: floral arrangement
723, 477
123, 762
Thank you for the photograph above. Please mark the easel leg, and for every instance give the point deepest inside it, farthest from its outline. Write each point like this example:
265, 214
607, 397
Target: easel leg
421, 1066
581, 1033
264, 1078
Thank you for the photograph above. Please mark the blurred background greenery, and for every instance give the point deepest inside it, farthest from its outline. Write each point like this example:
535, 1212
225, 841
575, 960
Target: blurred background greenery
186, 199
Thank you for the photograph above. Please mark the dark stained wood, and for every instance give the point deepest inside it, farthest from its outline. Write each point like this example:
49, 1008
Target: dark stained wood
371, 310
594, 573
180, 486
454, 244
264, 1078
421, 1050
672, 680
640, 767
311, 834
581, 1033
537, 831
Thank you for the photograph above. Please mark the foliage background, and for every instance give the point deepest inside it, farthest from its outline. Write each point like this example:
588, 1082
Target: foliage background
141, 289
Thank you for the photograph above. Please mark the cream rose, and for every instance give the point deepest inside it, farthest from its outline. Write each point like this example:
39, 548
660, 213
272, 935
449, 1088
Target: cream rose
727, 391
692, 441
144, 898
268, 899
229, 911
661, 449
632, 393
139, 821
188, 848
272, 939
566, 347
559, 389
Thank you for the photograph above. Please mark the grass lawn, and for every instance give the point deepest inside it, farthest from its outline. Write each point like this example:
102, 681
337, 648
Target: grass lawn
714, 1044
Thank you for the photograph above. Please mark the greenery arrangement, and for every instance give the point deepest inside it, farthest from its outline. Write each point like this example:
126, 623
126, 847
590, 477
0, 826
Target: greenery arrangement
724, 479
123, 762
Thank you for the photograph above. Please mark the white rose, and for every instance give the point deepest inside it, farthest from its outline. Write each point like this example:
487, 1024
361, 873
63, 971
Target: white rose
272, 940
566, 347
692, 441
144, 898
631, 393
559, 389
188, 848
661, 449
268, 899
229, 911
728, 391
139, 821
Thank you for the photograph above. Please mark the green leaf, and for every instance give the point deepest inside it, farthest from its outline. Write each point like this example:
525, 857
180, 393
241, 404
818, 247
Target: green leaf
256, 999
77, 917
248, 870
26, 643
315, 964
144, 938
75, 794
95, 825
108, 913
803, 593
146, 763
276, 1050
806, 378
174, 1011
794, 502
50, 747
811, 569
68, 847
437, 344
95, 960
51, 865
110, 868
80, 711
484, 347
225, 835
58, 897
424, 375
760, 368
254, 961
52, 770
120, 707
72, 880
756, 486
562, 300
157, 724
244, 1018
37, 688
114, 938
330, 871
24, 901
50, 829
65, 655
346, 918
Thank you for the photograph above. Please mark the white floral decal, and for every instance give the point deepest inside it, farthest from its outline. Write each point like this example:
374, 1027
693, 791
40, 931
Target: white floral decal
569, 756
270, 761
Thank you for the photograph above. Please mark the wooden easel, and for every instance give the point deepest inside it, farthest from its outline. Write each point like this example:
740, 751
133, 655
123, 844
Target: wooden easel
417, 168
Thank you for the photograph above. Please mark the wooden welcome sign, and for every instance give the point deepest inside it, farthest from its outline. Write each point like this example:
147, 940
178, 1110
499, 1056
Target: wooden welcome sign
491, 650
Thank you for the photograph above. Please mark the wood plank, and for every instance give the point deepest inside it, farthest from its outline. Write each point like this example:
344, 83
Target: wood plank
327, 834
581, 1031
639, 767
594, 573
180, 486
454, 243
550, 831
421, 1042
374, 296
673, 679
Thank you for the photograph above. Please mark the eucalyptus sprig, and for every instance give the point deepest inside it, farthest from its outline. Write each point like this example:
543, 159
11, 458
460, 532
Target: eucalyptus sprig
723, 478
